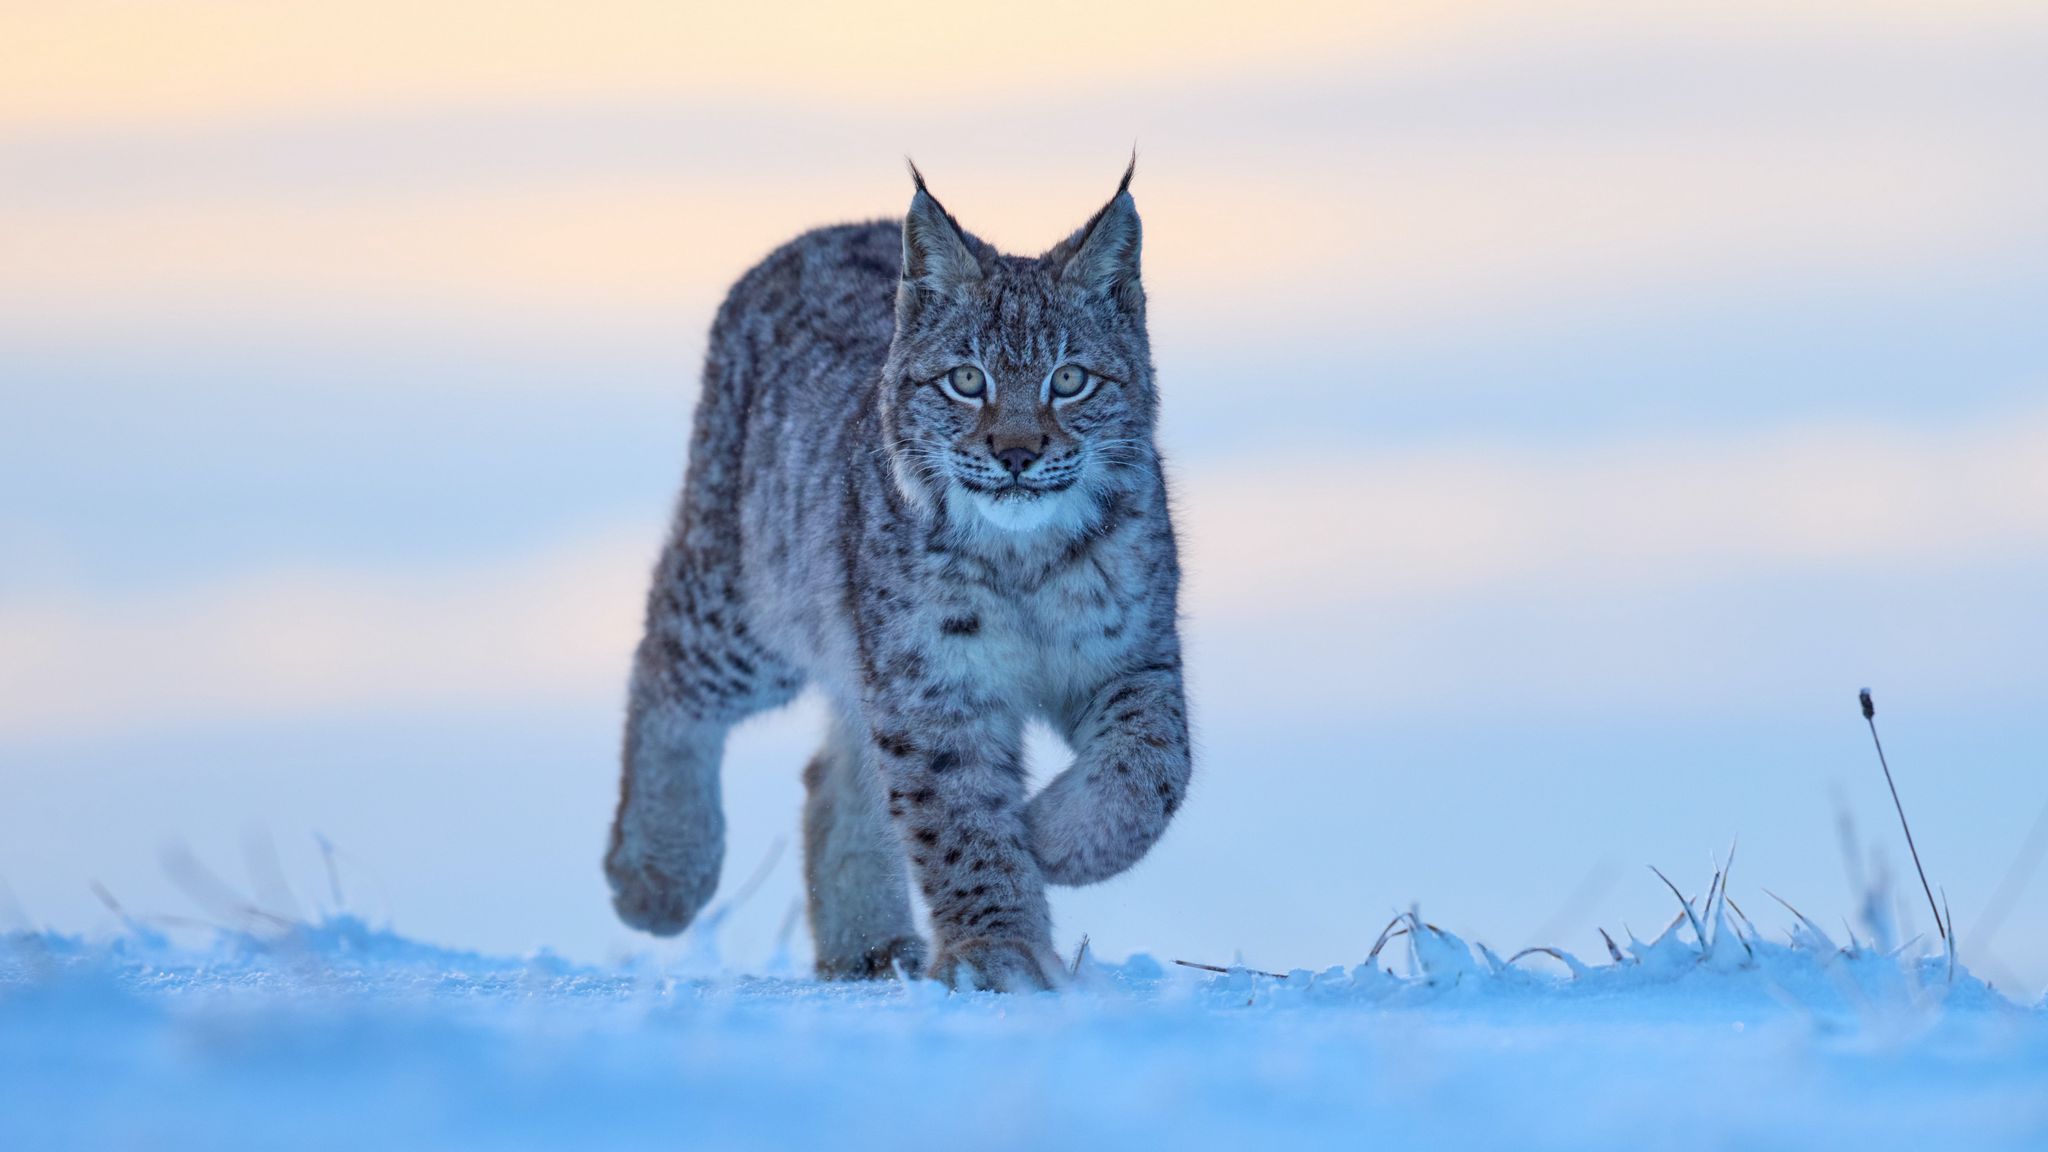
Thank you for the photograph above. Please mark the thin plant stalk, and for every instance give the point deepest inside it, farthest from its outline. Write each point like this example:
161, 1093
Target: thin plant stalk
1870, 718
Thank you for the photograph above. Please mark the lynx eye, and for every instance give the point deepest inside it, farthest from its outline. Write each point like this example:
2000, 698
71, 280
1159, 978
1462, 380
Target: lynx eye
967, 381
1068, 381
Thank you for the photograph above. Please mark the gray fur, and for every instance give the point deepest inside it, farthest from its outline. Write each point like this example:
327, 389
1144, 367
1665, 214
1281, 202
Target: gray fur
850, 522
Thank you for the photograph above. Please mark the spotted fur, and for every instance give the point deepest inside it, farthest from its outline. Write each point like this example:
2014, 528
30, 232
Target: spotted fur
851, 522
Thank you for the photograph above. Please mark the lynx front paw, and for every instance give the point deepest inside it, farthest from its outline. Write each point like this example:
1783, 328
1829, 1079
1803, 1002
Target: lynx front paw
1084, 830
996, 965
659, 897
904, 954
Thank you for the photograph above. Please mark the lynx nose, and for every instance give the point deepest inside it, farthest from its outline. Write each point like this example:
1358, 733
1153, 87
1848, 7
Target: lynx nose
1013, 456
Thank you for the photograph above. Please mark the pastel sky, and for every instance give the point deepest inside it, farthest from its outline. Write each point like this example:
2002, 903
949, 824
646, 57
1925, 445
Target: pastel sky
1569, 412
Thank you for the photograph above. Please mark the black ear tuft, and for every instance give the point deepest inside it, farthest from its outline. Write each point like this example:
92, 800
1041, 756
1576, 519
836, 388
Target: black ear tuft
1103, 256
937, 261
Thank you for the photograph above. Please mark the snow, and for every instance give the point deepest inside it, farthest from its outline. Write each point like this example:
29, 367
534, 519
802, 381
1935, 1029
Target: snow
336, 1034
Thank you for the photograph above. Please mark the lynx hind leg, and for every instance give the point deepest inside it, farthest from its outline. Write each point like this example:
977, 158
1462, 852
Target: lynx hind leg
854, 871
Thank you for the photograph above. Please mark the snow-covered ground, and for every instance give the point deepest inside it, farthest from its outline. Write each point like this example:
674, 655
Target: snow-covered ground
338, 1035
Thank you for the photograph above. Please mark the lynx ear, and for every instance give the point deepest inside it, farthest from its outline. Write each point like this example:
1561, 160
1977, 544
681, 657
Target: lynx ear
936, 259
1102, 258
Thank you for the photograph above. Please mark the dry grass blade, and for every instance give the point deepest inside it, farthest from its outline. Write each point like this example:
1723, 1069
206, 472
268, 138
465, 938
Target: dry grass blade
1553, 953
760, 876
1582, 899
790, 916
1613, 953
1747, 951
1870, 717
1950, 939
1741, 937
1698, 933
333, 873
1080, 954
1810, 925
1728, 869
100, 893
1668, 929
213, 894
18, 935
1228, 971
1721, 877
2010, 885
265, 870
13, 917
1386, 934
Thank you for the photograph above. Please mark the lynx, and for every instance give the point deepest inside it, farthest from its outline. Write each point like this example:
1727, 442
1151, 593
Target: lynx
923, 481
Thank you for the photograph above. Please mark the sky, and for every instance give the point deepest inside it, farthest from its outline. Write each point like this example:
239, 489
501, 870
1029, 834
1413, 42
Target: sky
1568, 411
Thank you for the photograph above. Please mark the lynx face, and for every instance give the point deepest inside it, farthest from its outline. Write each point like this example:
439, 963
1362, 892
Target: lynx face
1018, 387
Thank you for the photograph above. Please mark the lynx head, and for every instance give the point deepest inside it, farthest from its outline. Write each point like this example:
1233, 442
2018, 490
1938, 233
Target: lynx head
1018, 390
